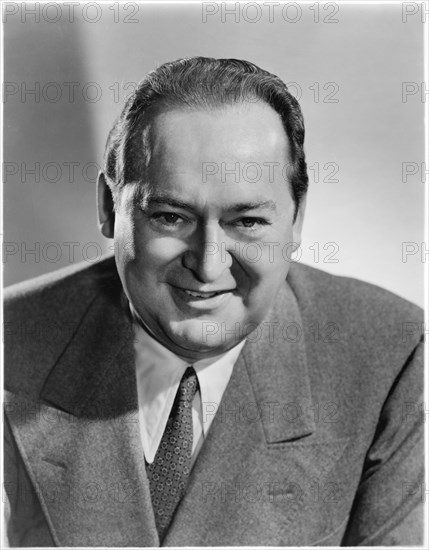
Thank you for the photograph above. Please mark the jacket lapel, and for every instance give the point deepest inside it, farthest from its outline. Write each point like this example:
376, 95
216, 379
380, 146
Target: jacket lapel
244, 487
82, 448
82, 444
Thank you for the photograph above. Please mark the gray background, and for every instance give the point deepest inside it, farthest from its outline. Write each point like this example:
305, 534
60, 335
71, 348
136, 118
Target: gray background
359, 123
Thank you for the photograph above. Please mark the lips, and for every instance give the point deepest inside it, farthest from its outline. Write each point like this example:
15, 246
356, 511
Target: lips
204, 295
201, 300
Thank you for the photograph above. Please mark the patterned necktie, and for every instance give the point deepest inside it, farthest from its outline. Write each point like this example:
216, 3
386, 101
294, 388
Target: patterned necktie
168, 473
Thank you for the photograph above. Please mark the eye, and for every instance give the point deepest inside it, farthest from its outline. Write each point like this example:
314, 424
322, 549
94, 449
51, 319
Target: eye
168, 219
251, 223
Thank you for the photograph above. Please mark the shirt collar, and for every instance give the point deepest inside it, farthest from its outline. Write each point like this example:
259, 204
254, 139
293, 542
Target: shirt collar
159, 372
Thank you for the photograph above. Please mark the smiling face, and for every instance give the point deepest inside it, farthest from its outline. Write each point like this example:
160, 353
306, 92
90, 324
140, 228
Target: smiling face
202, 246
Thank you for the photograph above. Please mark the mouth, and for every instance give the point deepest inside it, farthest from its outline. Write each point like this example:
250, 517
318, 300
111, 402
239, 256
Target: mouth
204, 295
198, 299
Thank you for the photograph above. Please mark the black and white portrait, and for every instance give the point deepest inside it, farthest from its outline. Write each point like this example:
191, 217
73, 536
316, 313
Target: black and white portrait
214, 257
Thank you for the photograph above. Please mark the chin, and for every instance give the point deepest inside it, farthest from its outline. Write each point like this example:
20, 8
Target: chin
200, 337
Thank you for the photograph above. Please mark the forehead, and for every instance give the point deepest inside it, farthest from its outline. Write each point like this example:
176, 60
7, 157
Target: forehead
202, 156
245, 132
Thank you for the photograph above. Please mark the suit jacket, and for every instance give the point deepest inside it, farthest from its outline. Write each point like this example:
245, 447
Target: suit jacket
317, 440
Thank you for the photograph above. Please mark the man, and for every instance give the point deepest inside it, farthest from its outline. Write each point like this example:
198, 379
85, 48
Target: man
203, 389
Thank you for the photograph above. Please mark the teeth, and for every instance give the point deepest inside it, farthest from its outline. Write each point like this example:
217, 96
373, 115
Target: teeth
198, 295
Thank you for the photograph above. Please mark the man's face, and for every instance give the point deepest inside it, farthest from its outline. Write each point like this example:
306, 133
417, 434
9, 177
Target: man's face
204, 246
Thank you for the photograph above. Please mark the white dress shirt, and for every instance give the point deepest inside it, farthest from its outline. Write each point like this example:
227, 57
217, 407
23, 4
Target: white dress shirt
159, 372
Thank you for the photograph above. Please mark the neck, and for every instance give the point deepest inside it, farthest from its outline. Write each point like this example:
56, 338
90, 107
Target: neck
189, 356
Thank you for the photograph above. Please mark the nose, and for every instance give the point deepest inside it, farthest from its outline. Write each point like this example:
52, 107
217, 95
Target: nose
207, 256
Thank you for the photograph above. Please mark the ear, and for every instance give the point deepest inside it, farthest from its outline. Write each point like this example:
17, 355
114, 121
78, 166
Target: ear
106, 207
299, 220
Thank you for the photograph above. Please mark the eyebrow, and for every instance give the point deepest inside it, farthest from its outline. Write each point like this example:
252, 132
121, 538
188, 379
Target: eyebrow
238, 207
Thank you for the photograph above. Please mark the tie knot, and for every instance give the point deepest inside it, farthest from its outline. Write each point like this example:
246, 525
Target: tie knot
188, 385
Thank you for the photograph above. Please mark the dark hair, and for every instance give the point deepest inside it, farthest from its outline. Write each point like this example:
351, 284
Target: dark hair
202, 82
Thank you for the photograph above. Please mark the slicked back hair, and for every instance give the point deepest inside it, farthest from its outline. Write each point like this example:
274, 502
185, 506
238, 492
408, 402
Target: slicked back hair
201, 83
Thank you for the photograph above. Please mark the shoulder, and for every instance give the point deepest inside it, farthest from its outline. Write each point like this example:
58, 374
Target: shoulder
361, 343
348, 297
365, 330
42, 314
64, 283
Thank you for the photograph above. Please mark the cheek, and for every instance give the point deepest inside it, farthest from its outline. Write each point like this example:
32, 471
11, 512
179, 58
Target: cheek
157, 250
125, 249
151, 259
156, 256
267, 261
136, 243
